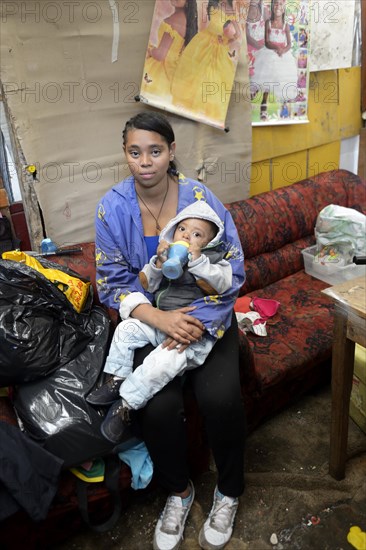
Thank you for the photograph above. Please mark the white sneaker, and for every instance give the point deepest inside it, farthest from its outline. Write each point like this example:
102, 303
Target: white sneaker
218, 527
170, 526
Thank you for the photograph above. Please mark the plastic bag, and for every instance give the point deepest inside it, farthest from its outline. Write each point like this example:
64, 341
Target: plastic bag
39, 328
75, 289
343, 228
53, 410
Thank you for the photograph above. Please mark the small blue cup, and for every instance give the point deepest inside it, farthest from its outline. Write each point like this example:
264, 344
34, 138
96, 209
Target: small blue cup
177, 259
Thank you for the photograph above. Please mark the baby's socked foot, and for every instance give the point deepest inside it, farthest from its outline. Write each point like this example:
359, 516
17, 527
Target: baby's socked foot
116, 422
106, 394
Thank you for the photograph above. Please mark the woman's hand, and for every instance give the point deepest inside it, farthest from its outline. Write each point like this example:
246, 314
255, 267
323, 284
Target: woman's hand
180, 328
170, 344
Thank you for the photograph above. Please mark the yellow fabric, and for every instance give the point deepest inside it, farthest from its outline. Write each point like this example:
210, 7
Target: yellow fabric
158, 75
205, 71
82, 476
75, 290
91, 471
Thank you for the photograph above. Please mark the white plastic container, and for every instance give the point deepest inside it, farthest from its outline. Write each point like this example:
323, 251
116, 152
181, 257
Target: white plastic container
330, 273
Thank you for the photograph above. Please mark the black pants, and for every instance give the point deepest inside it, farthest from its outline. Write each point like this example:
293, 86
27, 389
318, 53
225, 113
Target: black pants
217, 390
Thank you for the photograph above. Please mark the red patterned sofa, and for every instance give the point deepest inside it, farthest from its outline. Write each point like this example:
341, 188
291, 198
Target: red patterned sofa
274, 227
295, 355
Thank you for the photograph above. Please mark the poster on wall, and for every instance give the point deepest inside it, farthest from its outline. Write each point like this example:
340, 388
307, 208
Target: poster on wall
278, 38
192, 56
332, 30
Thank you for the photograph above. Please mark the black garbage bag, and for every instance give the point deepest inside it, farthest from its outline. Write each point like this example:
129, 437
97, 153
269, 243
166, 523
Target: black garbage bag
53, 409
39, 328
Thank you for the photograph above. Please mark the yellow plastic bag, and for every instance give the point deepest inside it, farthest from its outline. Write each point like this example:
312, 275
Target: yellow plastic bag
75, 290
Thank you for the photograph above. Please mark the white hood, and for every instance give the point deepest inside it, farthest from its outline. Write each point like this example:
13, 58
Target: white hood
200, 210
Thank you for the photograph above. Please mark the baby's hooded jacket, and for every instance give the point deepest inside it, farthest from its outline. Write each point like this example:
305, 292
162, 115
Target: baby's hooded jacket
210, 274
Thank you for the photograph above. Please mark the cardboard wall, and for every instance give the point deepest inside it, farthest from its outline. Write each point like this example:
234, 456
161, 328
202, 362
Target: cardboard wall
70, 72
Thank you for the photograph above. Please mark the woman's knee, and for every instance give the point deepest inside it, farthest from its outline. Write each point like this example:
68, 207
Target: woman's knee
226, 405
165, 409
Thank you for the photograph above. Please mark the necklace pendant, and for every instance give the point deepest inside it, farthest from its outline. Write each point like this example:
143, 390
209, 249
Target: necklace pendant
158, 228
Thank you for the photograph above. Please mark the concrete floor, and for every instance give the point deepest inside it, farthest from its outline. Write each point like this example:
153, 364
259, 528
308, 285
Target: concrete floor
289, 492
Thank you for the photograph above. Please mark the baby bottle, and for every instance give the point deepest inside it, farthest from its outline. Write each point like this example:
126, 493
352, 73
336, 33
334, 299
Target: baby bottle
177, 258
47, 246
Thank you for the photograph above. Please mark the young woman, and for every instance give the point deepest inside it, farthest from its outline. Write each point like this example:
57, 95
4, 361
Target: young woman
128, 222
174, 33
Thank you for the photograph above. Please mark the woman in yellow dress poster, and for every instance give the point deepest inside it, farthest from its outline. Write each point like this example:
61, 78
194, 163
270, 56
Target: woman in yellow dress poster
205, 72
174, 33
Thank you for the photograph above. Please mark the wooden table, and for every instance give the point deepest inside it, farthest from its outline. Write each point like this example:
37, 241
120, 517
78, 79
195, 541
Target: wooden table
349, 328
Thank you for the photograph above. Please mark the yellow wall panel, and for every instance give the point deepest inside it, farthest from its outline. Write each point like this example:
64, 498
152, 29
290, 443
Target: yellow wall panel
260, 178
323, 109
288, 169
323, 158
350, 102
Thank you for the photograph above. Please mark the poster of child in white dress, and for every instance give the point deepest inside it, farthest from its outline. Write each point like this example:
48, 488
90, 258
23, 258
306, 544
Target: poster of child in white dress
278, 39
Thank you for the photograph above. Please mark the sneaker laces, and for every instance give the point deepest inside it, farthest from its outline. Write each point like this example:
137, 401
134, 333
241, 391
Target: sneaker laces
223, 513
173, 515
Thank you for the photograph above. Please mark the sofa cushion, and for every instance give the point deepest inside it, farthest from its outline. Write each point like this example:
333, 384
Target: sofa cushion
268, 221
299, 335
267, 268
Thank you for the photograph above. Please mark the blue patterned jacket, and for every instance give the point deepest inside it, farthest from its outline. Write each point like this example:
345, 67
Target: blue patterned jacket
121, 253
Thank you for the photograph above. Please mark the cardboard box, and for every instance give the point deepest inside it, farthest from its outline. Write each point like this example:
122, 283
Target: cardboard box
357, 408
330, 273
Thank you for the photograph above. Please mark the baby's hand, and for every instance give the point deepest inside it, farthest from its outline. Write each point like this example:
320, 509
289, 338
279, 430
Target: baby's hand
162, 253
194, 251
